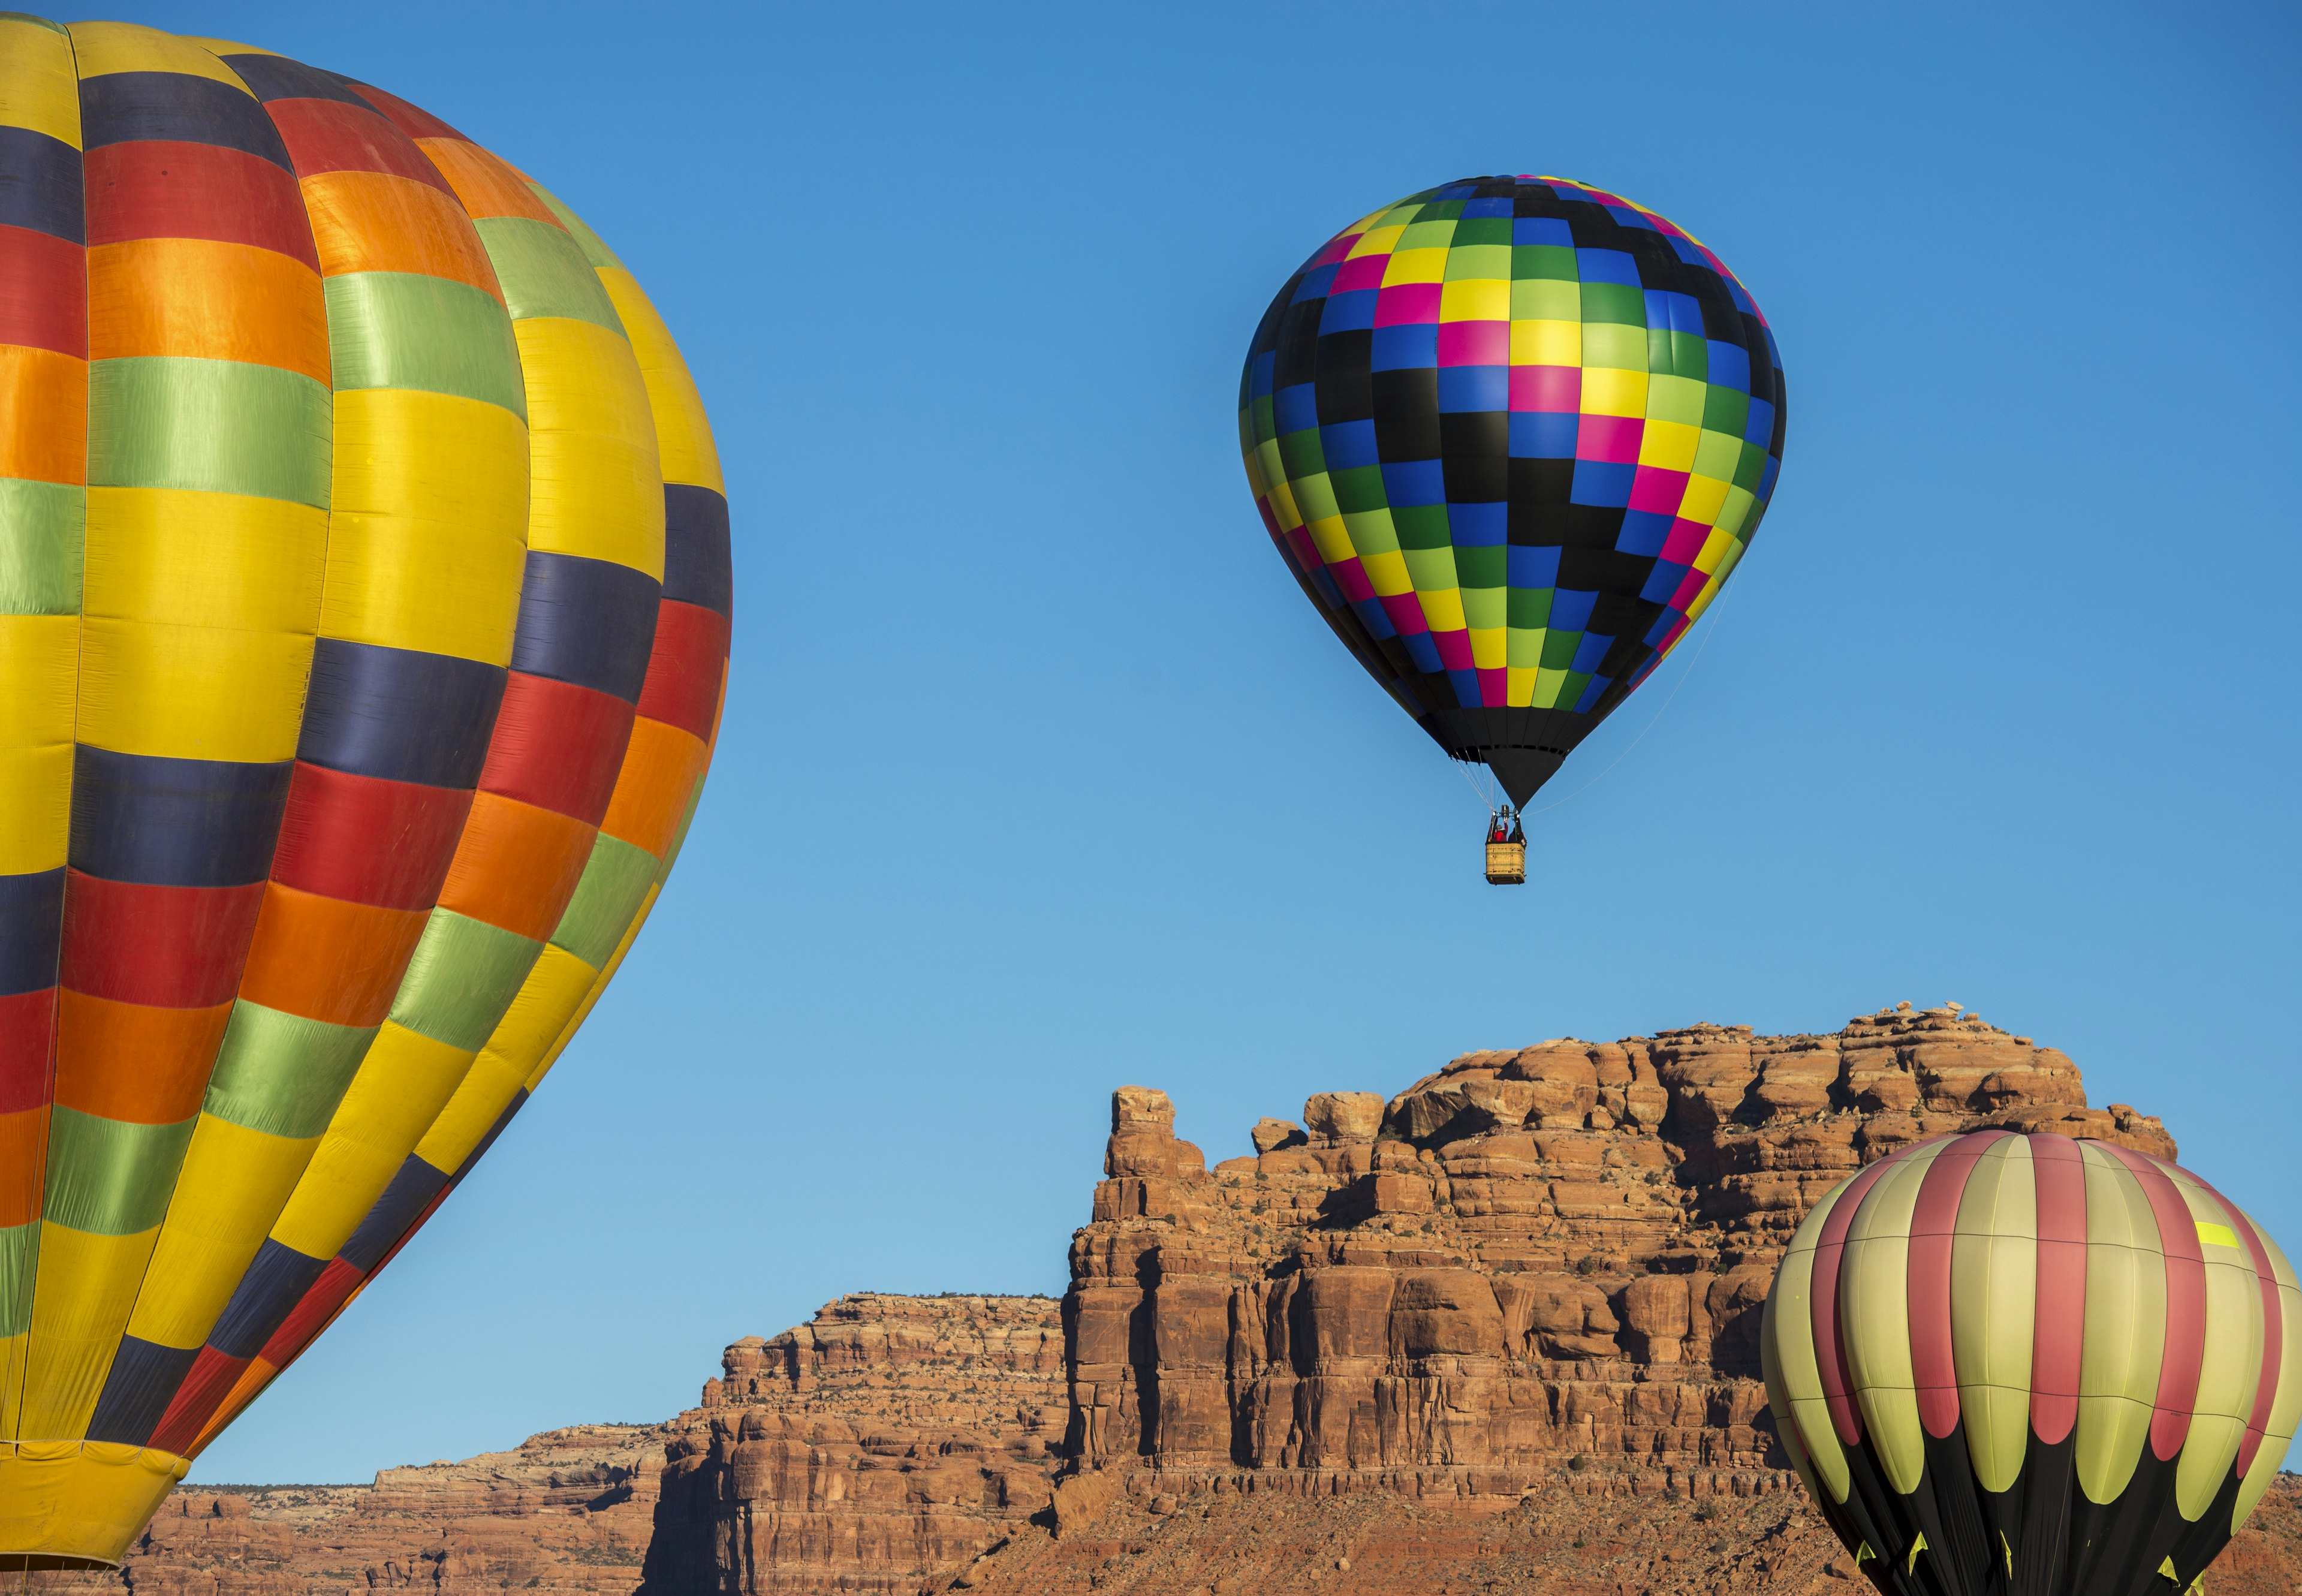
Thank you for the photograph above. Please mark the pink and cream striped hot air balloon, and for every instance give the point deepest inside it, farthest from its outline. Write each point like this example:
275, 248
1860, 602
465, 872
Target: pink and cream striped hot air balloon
2032, 1366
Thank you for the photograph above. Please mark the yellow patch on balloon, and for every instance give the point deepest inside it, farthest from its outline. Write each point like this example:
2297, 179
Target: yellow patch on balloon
485, 1092
1414, 266
102, 48
595, 479
1608, 392
233, 1184
39, 659
401, 1085
86, 1287
546, 999
39, 89
1476, 299
683, 431
1332, 538
428, 537
1386, 573
1546, 343
192, 692
1703, 498
1667, 445
1375, 241
191, 558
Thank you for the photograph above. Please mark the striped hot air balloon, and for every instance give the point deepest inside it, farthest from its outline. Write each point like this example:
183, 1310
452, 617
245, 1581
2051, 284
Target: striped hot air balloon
363, 619
2032, 1366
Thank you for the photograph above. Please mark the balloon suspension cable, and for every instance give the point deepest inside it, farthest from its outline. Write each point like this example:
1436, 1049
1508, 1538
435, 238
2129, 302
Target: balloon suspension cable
1483, 790
1709, 633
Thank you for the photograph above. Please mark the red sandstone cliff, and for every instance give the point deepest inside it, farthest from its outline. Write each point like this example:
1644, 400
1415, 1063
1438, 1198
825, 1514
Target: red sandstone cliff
1495, 1333
566, 1512
1561, 1248
891, 1439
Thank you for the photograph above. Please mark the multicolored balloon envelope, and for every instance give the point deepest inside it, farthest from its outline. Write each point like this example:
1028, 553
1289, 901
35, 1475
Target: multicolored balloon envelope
2026, 1366
1510, 435
363, 619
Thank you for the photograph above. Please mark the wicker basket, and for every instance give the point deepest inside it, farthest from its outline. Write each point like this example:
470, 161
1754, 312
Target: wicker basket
1507, 864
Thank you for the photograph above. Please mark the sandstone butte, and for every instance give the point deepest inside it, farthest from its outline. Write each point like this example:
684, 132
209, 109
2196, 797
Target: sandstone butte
1495, 1333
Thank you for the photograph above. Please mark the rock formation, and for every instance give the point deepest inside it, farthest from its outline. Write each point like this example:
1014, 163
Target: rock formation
1494, 1333
567, 1511
1555, 1249
892, 1438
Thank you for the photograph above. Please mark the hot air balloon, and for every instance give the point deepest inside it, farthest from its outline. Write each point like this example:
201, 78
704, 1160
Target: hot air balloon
363, 616
2028, 1365
1511, 435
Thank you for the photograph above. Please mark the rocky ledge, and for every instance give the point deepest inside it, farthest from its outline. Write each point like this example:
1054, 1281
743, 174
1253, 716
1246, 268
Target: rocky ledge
566, 1512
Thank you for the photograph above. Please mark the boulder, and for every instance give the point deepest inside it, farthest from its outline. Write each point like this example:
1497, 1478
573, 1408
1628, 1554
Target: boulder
1271, 1135
1344, 1116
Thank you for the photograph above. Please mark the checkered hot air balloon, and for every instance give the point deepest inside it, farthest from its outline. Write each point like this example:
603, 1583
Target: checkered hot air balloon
1510, 435
364, 618
2025, 1365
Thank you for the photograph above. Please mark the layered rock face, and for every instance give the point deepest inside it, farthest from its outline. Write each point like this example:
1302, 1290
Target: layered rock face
1555, 1249
567, 1511
892, 1440
1494, 1333
1497, 1333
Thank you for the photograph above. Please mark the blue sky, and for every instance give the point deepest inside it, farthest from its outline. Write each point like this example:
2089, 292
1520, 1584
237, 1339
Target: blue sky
1039, 776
